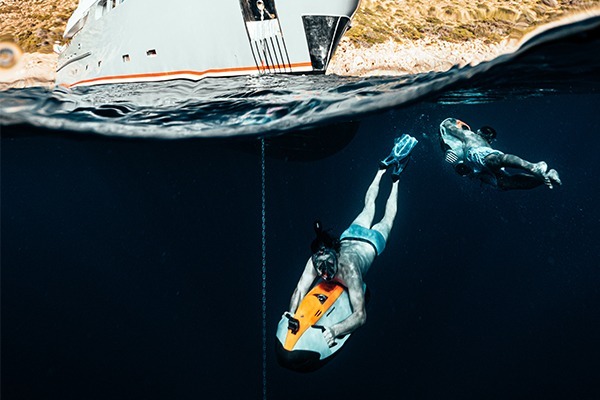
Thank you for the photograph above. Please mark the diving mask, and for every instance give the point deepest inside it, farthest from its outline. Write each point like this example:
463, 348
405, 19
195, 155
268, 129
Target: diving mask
325, 263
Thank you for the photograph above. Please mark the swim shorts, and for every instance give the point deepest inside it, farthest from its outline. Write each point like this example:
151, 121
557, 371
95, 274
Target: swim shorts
362, 234
476, 157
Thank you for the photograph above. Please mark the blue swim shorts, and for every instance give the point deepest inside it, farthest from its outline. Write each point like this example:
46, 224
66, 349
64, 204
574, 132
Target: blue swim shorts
476, 156
362, 234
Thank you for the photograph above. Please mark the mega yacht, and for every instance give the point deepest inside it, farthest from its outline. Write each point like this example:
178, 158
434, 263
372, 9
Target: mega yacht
114, 41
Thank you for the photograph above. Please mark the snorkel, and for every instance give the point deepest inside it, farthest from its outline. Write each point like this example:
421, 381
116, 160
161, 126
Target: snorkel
325, 253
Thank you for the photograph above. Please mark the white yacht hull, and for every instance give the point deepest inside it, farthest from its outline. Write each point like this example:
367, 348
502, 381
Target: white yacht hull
116, 41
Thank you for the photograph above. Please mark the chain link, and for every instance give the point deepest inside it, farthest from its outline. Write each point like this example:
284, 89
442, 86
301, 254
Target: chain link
264, 267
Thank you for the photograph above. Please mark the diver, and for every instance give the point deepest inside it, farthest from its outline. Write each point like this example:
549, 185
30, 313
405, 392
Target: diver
347, 259
471, 154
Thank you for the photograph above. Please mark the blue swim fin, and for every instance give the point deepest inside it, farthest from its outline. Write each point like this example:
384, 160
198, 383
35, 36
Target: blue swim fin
399, 156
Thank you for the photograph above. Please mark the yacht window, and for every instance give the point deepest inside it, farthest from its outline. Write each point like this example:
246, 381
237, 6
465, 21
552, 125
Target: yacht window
99, 63
151, 53
126, 58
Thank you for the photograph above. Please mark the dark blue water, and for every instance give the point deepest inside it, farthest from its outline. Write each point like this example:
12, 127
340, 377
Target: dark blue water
131, 264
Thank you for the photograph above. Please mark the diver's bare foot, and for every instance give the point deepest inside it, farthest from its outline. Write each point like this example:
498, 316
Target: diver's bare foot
552, 178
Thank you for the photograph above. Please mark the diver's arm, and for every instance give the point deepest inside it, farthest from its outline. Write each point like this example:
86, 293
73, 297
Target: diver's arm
306, 280
359, 314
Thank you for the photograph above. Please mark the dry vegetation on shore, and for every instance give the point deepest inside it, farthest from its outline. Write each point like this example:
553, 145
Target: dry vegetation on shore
388, 36
456, 20
35, 24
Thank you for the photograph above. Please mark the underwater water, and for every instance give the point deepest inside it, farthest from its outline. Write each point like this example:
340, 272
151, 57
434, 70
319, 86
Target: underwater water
132, 235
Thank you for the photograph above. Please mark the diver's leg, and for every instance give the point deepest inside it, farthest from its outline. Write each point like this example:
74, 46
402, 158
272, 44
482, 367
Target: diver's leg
538, 171
365, 218
496, 161
391, 208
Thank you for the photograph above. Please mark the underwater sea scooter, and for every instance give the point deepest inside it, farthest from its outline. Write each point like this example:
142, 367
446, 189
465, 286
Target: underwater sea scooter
301, 345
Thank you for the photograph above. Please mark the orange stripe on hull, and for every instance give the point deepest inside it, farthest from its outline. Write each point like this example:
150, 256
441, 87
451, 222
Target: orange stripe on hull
167, 74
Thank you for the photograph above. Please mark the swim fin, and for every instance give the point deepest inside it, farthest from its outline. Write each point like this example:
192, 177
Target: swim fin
399, 156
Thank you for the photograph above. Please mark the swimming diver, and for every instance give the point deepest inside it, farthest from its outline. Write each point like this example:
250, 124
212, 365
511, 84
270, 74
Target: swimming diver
471, 154
346, 260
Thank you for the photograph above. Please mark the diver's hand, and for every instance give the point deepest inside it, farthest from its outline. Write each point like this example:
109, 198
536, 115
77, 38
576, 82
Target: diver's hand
329, 336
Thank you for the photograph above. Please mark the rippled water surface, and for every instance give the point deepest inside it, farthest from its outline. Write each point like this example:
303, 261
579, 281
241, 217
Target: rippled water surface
557, 60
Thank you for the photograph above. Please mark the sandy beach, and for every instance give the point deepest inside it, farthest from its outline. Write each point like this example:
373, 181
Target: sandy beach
413, 57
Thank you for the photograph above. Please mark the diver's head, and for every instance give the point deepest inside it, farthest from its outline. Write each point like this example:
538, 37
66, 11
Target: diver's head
325, 262
487, 132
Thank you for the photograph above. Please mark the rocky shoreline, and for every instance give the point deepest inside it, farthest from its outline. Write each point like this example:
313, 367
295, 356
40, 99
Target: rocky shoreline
389, 58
